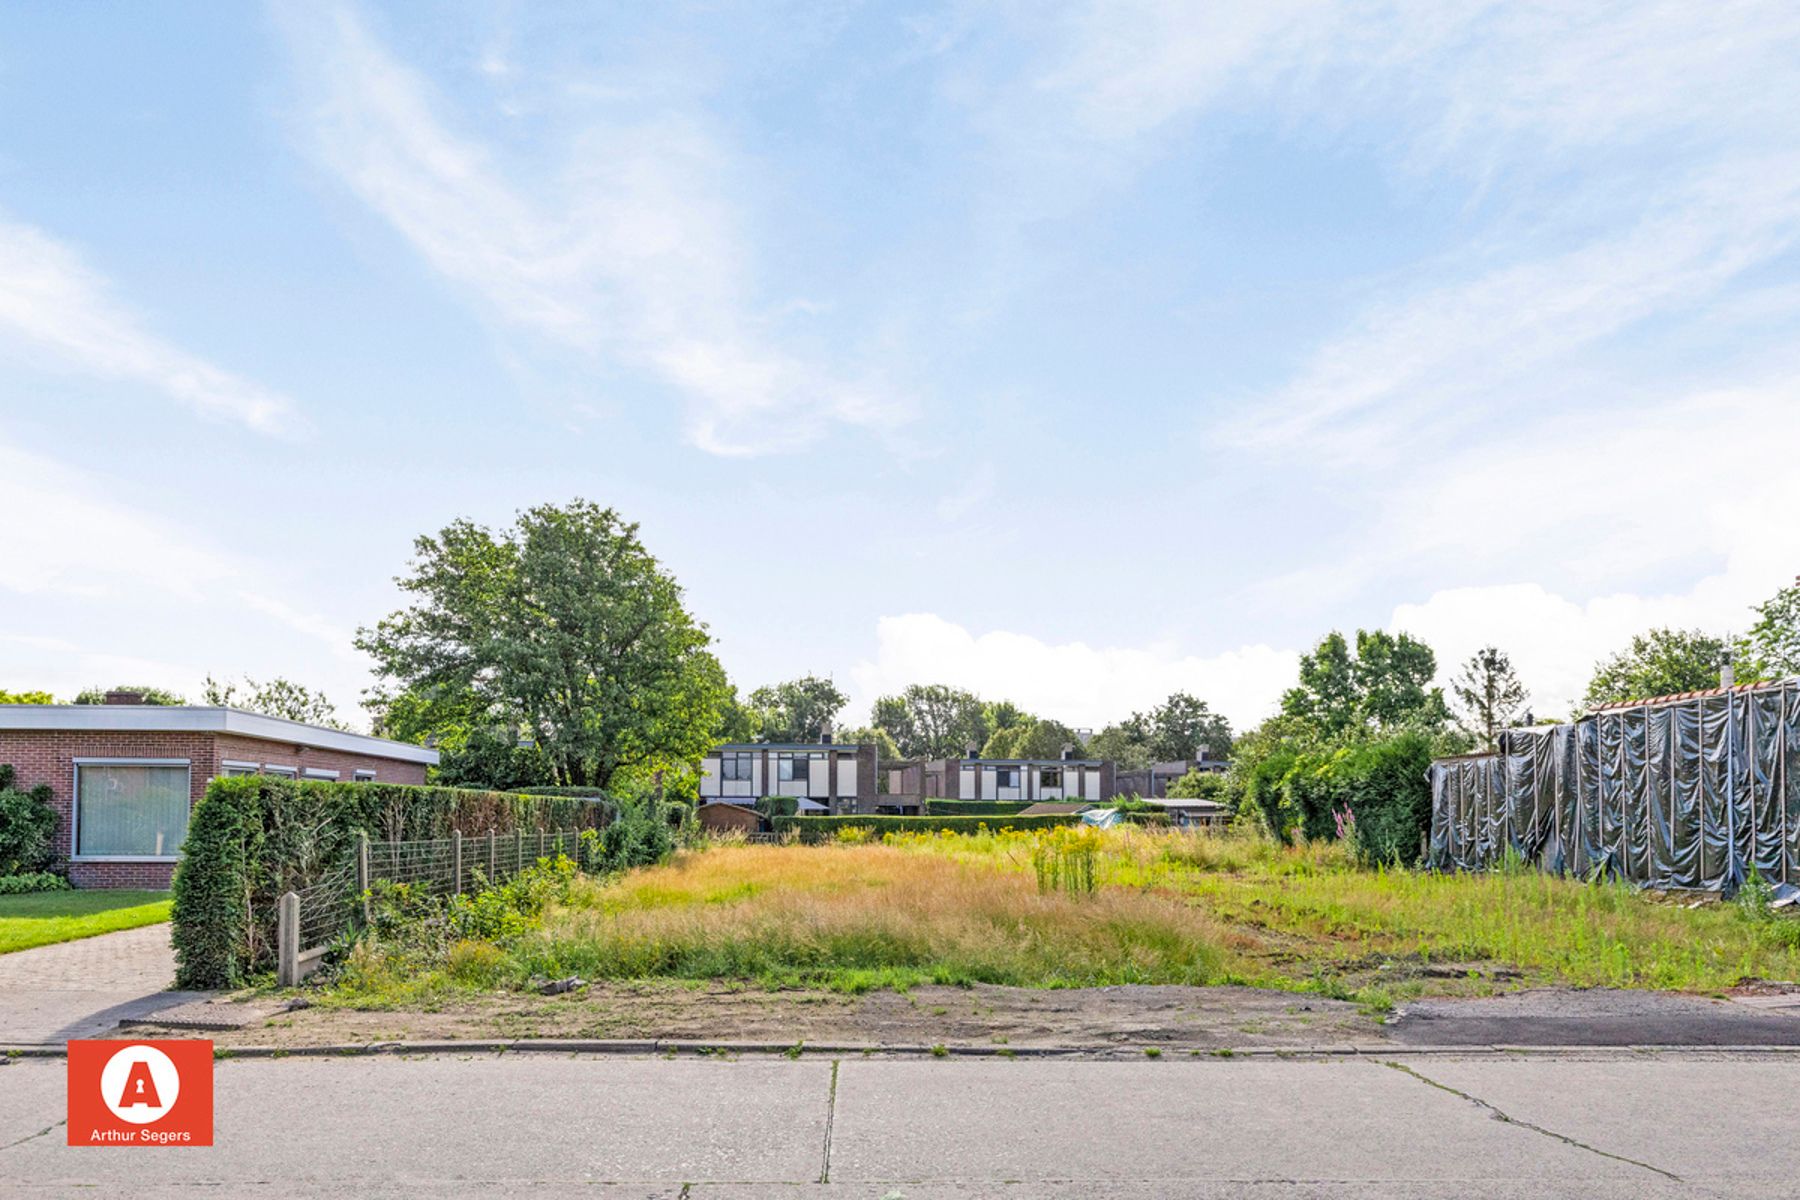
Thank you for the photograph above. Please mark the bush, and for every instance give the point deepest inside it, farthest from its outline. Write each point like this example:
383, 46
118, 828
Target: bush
770, 807
1201, 785
35, 881
817, 829
975, 808
27, 827
1380, 784
253, 837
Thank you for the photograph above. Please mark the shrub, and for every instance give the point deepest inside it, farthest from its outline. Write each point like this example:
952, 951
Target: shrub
815, 829
251, 838
975, 808
771, 807
1201, 785
1379, 784
27, 827
34, 881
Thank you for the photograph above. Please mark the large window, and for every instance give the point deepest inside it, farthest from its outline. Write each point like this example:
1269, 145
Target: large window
1006, 777
130, 809
1050, 777
735, 767
793, 768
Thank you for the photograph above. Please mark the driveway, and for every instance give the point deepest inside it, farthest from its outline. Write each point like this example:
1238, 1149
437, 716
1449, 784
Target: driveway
84, 988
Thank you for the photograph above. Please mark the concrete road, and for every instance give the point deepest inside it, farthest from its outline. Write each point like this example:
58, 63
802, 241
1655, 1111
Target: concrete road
1597, 1126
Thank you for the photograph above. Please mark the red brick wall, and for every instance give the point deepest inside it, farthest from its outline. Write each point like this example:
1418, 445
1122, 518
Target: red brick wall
47, 756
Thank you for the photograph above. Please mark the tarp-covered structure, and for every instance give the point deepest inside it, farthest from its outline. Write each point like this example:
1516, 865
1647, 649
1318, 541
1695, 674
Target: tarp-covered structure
1688, 791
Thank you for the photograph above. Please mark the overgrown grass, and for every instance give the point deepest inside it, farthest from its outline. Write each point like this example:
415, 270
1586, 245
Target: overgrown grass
43, 918
1165, 908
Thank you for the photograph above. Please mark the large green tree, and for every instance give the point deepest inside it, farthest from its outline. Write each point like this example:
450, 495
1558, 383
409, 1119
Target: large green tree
932, 720
1036, 738
276, 698
1489, 694
1657, 663
7, 697
1771, 649
799, 710
563, 626
1173, 731
1385, 684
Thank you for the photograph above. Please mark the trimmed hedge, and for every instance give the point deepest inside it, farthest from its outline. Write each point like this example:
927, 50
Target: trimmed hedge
975, 808
253, 837
35, 881
813, 829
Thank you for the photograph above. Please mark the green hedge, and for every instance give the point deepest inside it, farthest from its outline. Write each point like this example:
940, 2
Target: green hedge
975, 808
814, 829
253, 837
36, 881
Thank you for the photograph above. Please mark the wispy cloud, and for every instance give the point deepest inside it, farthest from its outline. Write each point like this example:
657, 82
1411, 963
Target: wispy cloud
1072, 682
57, 312
634, 251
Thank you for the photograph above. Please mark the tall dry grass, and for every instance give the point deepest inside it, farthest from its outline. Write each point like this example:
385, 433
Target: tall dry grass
859, 916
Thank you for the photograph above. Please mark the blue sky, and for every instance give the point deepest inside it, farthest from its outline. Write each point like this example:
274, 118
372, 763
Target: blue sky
1073, 353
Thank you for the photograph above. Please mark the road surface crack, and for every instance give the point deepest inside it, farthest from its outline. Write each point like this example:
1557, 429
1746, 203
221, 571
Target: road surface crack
31, 1137
830, 1117
1498, 1115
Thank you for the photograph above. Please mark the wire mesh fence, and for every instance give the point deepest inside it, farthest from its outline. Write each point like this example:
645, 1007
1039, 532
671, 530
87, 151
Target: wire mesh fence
324, 910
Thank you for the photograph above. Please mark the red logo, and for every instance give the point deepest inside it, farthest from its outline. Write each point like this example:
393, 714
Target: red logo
140, 1093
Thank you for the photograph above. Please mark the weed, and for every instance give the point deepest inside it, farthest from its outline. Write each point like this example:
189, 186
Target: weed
1152, 1052
794, 1050
940, 1051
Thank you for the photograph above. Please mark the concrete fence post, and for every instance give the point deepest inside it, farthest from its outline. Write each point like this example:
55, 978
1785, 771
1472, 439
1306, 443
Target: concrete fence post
287, 940
456, 861
491, 861
362, 874
518, 850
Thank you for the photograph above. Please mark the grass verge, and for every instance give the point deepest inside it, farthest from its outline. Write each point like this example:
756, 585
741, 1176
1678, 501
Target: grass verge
44, 918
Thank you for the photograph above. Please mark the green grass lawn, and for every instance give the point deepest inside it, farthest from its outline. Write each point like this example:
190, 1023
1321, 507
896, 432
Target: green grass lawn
40, 918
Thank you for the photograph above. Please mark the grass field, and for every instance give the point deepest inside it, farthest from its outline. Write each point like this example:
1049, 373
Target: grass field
1164, 908
40, 918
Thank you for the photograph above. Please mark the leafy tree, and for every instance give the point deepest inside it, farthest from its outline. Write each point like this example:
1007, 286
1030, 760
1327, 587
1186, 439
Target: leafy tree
799, 710
1657, 663
563, 626
1201, 785
1175, 729
874, 735
26, 698
1490, 694
276, 698
1004, 714
1038, 738
1771, 650
1385, 685
152, 695
738, 722
1123, 743
932, 720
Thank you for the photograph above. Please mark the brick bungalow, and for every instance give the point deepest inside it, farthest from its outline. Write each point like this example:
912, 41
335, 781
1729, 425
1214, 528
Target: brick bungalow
124, 776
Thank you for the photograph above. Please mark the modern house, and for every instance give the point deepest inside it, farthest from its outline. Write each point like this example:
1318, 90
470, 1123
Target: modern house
1153, 782
123, 776
823, 777
1025, 779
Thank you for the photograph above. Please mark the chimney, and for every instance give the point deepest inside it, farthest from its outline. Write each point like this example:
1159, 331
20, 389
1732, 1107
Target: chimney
825, 736
121, 696
1068, 752
972, 751
1727, 674
1200, 752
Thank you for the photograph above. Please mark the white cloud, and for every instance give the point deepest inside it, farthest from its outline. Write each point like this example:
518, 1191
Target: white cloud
634, 251
55, 310
1071, 682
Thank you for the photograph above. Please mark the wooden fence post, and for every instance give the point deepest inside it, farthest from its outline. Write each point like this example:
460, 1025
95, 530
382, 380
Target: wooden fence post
362, 874
456, 861
287, 940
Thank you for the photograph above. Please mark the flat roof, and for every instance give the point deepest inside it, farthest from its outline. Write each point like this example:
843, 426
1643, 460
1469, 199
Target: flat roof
193, 718
812, 746
1030, 762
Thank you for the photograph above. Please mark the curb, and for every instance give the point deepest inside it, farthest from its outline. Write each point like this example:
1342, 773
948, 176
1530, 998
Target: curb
680, 1048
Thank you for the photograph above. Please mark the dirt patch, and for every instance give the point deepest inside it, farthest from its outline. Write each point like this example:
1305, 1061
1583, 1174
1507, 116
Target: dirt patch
1169, 1017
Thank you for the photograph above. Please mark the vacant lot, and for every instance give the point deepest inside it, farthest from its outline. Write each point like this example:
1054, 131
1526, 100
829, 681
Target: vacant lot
41, 918
1161, 909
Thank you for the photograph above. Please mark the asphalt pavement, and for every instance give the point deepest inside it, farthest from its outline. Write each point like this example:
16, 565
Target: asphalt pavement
1598, 1125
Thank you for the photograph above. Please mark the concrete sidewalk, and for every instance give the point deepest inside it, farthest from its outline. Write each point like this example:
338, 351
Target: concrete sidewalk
84, 988
1614, 1126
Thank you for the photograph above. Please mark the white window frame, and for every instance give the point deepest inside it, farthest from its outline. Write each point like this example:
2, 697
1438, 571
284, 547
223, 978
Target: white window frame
231, 766
283, 771
319, 774
362, 775
75, 806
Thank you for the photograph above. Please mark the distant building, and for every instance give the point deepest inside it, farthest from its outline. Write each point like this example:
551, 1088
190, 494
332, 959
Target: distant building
824, 777
1153, 782
1024, 779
